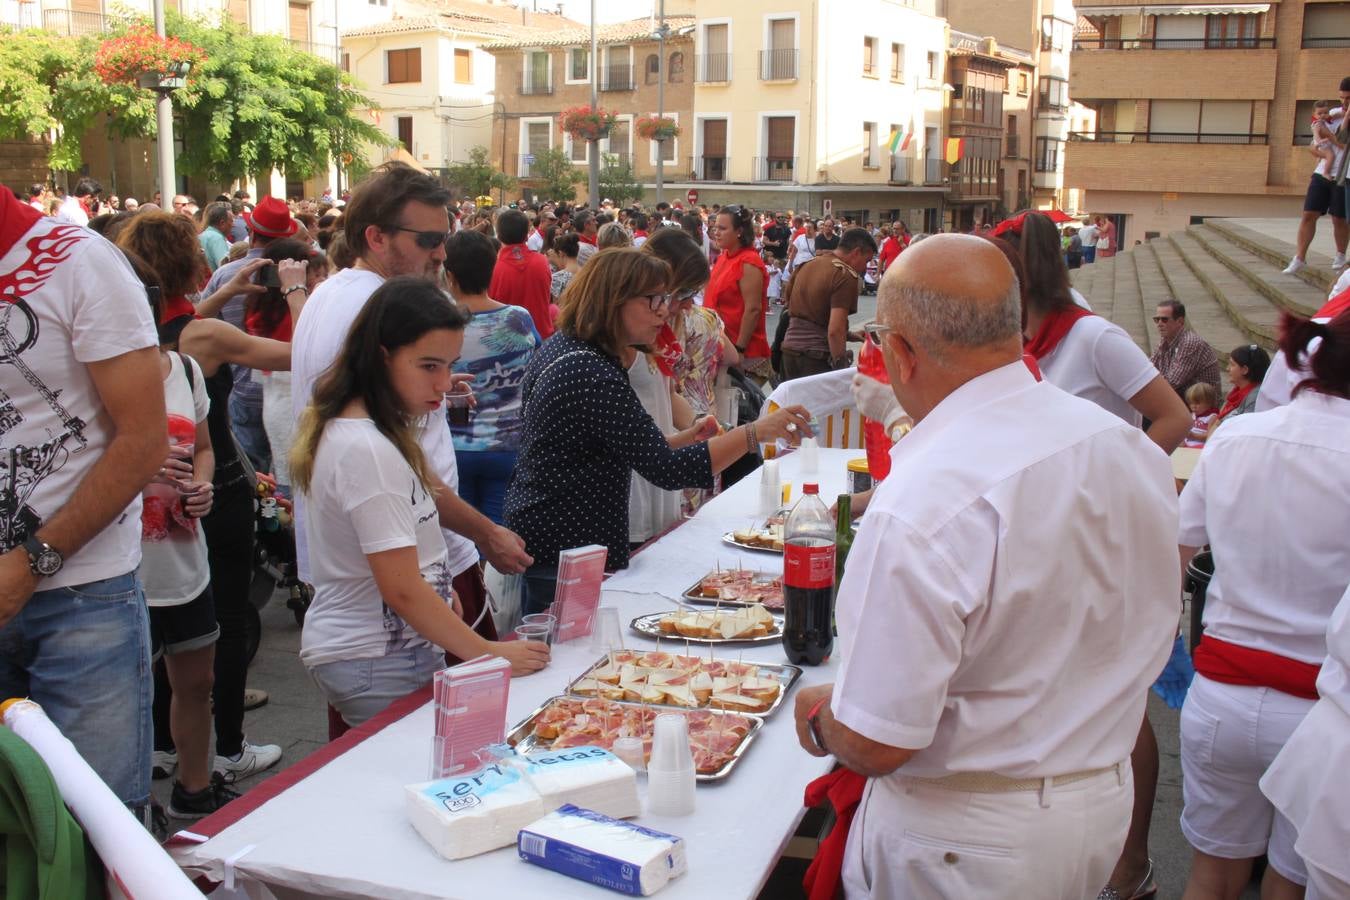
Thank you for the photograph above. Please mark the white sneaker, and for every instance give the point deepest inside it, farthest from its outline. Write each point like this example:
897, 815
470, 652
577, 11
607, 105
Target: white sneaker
163, 763
1338, 261
251, 760
1295, 265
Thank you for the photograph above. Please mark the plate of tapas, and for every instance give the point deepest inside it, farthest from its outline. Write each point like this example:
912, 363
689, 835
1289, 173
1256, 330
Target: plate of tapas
712, 626
663, 679
743, 587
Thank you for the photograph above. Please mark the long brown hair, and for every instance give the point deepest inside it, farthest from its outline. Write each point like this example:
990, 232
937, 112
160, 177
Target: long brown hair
399, 313
592, 305
168, 244
1047, 277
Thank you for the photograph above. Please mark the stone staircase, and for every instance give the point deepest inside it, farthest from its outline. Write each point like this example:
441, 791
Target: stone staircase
1229, 276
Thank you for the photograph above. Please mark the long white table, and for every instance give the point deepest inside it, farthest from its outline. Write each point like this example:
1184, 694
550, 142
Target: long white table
340, 830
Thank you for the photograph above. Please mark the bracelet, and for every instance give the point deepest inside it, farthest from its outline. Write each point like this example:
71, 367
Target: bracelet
751, 443
293, 288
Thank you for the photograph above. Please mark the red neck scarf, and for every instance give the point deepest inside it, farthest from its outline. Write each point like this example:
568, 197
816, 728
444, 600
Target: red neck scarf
1335, 306
844, 789
15, 220
1235, 398
174, 307
1053, 329
666, 351
1233, 664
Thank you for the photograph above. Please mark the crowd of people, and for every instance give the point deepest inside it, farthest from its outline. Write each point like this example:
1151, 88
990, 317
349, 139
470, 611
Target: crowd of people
438, 388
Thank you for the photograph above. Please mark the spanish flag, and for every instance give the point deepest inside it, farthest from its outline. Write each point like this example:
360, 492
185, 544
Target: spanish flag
956, 148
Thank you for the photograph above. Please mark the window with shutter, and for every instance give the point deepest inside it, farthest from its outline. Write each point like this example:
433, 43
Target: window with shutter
403, 66
463, 66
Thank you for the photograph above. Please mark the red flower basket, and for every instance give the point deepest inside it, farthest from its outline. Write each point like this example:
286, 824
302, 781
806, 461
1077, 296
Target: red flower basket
586, 123
141, 52
654, 128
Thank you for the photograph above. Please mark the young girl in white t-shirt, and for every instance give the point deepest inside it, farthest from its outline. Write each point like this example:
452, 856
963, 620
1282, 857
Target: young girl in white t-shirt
382, 617
775, 278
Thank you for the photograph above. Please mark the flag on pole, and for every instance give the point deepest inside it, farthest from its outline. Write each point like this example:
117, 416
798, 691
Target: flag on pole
909, 136
956, 147
893, 142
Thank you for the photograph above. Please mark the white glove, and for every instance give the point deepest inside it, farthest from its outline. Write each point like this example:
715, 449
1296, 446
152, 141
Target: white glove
877, 401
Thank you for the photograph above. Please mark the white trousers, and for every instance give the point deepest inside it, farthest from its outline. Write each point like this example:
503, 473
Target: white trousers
914, 841
1325, 886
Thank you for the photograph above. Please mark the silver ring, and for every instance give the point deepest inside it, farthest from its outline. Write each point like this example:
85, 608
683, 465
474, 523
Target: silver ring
792, 426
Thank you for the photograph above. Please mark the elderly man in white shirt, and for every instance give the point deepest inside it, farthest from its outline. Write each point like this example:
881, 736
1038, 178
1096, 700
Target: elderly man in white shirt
1011, 595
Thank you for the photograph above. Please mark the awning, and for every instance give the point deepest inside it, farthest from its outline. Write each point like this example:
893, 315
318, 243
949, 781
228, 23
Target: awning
1177, 9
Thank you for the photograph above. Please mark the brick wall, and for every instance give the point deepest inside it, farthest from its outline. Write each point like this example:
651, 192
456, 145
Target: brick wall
23, 163
1199, 168
1173, 74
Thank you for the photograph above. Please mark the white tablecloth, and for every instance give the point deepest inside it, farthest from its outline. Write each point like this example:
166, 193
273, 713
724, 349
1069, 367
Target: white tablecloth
342, 831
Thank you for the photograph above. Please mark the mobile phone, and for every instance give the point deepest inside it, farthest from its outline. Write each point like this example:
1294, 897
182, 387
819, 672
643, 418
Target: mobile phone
271, 277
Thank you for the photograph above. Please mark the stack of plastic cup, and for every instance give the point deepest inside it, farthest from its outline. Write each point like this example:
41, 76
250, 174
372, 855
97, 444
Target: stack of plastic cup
607, 633
770, 488
630, 750
670, 772
542, 619
539, 632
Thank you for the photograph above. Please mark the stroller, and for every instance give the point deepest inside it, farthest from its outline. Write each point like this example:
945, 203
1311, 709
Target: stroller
871, 276
274, 561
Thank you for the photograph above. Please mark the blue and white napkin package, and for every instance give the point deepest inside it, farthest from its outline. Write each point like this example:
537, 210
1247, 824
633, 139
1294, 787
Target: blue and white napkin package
604, 851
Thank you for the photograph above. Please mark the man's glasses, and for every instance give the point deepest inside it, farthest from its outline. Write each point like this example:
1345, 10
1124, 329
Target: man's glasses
1161, 319
875, 330
427, 240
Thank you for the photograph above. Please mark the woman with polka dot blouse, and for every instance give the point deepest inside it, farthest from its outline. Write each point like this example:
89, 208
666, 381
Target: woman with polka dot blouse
585, 431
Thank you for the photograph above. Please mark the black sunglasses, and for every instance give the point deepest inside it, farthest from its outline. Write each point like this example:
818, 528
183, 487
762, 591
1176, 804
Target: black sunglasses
427, 240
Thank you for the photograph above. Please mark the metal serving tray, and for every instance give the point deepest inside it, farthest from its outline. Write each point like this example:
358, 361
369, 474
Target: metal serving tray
787, 676
730, 538
692, 594
649, 626
522, 735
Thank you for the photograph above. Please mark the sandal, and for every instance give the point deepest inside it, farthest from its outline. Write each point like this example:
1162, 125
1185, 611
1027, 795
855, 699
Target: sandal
1146, 889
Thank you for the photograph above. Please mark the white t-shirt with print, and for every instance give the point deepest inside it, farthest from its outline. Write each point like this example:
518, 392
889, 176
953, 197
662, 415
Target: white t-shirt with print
1097, 361
319, 335
70, 299
174, 568
806, 249
364, 498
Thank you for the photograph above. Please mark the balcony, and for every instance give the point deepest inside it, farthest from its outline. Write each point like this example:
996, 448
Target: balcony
775, 168
1148, 74
869, 70
616, 78
935, 171
1168, 165
778, 65
713, 68
532, 88
73, 23
709, 168
326, 52
1324, 43
525, 165
897, 76
1151, 43
1166, 137
1011, 146
615, 158
902, 170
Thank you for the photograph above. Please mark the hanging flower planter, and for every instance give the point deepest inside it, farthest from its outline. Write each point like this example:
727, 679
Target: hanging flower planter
147, 60
654, 128
586, 123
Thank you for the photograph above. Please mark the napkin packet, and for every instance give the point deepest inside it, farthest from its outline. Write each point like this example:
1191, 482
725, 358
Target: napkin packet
470, 814
604, 851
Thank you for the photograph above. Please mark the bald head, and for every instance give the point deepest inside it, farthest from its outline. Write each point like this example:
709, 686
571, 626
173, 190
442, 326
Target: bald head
951, 294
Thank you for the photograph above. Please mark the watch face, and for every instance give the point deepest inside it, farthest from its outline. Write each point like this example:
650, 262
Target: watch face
48, 562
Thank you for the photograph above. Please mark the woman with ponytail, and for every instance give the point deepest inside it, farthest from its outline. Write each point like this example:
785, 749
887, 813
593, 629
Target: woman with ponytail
1271, 496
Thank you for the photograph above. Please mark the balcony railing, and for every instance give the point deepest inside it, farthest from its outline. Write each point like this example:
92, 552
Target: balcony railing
1151, 43
616, 78
776, 168
709, 168
1010, 146
74, 23
326, 52
713, 68
898, 76
532, 88
935, 171
1167, 137
525, 166
610, 158
1321, 43
902, 170
777, 65
870, 69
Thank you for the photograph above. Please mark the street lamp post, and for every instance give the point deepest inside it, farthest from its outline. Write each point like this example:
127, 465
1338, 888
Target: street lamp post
661, 100
593, 186
164, 121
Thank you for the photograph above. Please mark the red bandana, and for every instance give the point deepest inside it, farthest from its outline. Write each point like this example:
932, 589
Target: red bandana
15, 219
1052, 331
174, 307
1335, 306
1235, 398
667, 351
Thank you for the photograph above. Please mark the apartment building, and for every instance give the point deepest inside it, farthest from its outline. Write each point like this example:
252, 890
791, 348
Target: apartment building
1030, 47
538, 75
1202, 108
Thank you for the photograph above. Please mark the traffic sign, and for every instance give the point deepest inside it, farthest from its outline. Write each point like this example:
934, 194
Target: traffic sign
692, 196
828, 206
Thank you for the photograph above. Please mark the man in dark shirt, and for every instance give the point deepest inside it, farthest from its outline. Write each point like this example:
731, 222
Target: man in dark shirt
826, 236
776, 238
820, 297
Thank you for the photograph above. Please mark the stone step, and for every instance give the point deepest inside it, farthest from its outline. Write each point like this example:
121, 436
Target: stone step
1248, 308
1097, 283
1319, 273
1128, 311
1153, 289
1204, 314
1287, 291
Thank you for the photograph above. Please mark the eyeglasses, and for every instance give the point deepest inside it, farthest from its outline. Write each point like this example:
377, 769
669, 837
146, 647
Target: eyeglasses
875, 330
1160, 319
427, 240
658, 302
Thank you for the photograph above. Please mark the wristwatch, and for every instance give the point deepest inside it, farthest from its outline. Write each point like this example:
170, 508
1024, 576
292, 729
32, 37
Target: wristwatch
43, 559
813, 723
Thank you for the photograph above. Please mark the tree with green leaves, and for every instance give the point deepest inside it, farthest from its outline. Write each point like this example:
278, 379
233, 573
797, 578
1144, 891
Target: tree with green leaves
478, 176
558, 177
617, 181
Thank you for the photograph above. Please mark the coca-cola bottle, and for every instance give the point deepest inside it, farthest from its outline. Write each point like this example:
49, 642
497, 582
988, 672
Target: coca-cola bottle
875, 439
808, 580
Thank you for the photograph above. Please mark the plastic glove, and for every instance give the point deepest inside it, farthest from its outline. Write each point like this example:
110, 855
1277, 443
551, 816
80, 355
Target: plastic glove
1176, 676
877, 401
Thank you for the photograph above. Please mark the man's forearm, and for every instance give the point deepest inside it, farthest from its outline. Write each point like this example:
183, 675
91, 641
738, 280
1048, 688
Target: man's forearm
460, 517
866, 757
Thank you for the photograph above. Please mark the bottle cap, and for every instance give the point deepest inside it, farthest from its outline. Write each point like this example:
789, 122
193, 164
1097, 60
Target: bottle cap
809, 488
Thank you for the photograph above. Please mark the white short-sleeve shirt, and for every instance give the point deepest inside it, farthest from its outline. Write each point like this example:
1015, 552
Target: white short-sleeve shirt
1013, 588
364, 498
1097, 361
1271, 495
319, 335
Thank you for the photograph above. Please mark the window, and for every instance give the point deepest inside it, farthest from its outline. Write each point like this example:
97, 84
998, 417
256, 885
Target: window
616, 69
897, 62
869, 153
577, 151
1047, 154
715, 65
675, 67
1054, 93
1023, 84
870, 56
403, 66
377, 2
619, 144
934, 66
1010, 147
404, 125
778, 62
780, 144
538, 73
463, 66
653, 68
1200, 121
536, 136
1326, 25
1056, 34
1232, 30
1303, 123
579, 64
346, 62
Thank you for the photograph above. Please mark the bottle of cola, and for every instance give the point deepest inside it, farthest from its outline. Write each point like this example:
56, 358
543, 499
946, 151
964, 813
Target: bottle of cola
808, 580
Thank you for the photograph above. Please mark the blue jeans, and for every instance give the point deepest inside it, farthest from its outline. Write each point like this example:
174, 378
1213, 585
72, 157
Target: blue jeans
1089, 255
541, 584
483, 479
83, 653
246, 422
360, 688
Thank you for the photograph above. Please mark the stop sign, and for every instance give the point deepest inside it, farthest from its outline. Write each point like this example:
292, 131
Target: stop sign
692, 196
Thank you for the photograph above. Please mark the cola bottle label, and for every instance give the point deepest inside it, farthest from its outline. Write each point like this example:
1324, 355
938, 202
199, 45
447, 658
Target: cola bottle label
808, 566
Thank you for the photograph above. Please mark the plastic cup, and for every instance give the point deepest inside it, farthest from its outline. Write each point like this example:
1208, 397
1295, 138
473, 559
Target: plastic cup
629, 749
670, 774
537, 632
457, 408
542, 619
607, 633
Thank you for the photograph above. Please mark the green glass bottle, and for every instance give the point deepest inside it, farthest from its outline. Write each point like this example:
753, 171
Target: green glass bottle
843, 542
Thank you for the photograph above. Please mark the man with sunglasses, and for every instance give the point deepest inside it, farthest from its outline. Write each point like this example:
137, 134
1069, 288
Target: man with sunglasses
820, 297
1183, 358
521, 277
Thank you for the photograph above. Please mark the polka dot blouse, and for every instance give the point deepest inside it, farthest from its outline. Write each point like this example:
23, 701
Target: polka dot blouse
585, 432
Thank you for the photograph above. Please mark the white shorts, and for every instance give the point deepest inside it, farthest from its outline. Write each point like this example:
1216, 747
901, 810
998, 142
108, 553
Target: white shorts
1325, 886
914, 841
1229, 736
